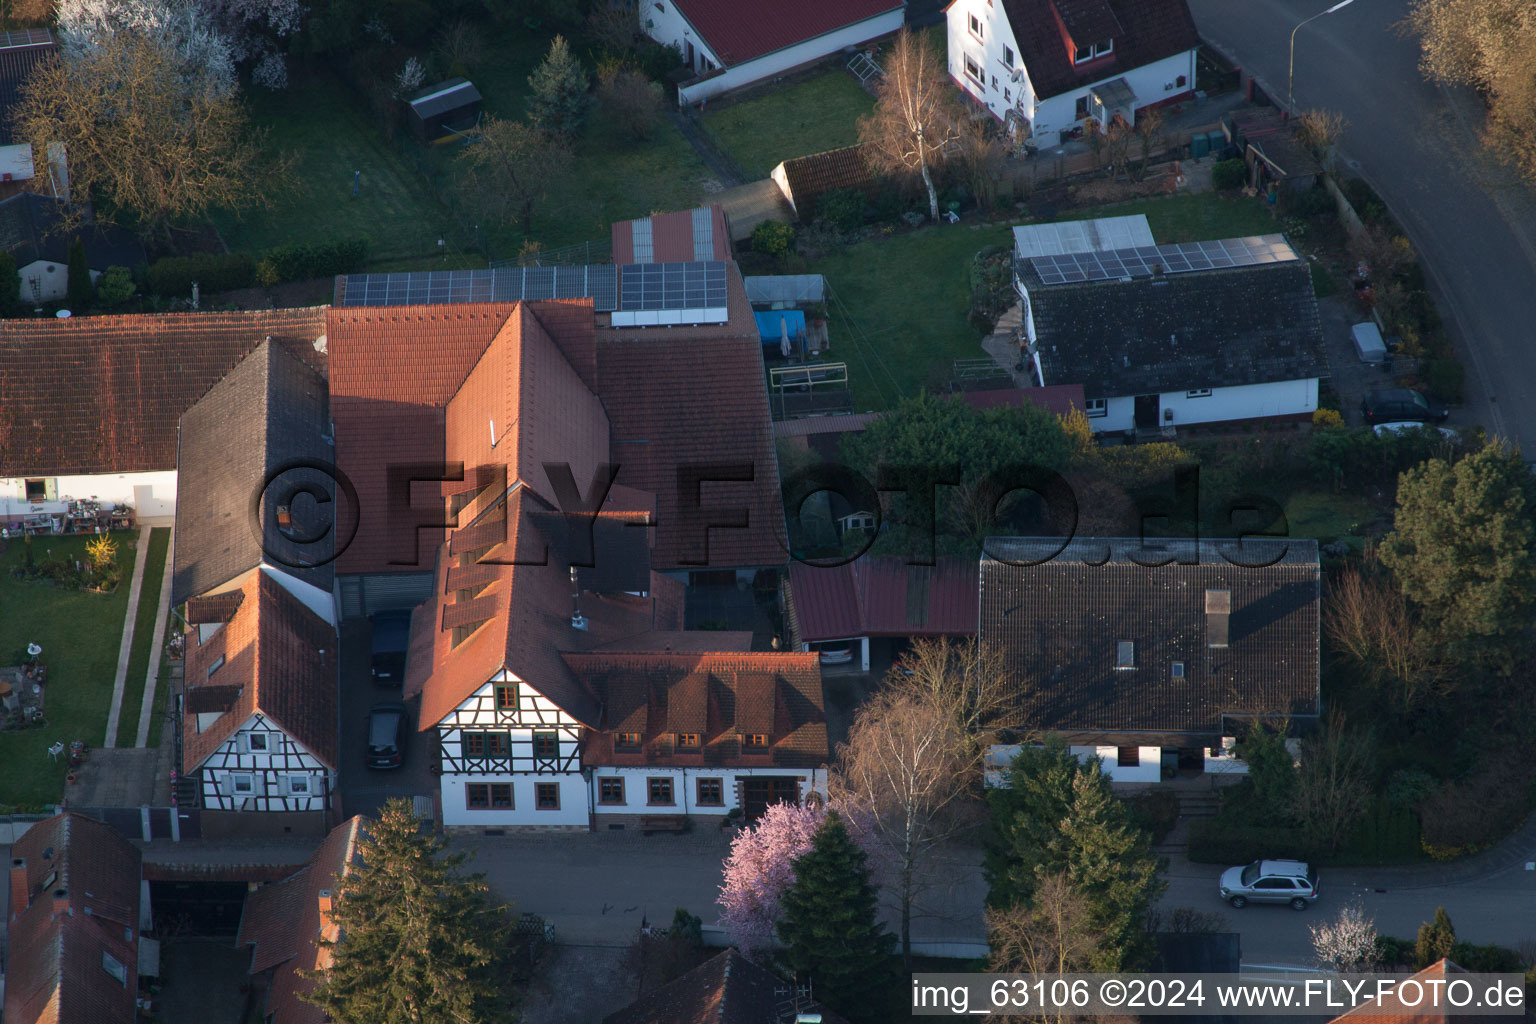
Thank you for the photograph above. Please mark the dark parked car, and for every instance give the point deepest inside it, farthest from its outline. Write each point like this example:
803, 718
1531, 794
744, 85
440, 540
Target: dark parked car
1389, 405
391, 638
386, 735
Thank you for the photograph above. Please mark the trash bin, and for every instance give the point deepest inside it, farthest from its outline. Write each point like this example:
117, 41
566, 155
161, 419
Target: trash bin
1199, 145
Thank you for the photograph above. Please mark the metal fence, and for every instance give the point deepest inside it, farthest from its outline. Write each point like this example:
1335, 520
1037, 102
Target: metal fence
581, 254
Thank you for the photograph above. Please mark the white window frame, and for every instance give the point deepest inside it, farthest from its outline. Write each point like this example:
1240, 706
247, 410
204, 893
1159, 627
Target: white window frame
250, 743
235, 780
299, 785
1090, 52
974, 73
1095, 407
1198, 393
1008, 56
977, 27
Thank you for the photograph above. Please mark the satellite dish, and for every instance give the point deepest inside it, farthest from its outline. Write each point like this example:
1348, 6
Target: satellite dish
63, 314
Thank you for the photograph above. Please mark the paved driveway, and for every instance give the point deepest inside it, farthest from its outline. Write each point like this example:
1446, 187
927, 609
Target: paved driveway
1473, 224
363, 789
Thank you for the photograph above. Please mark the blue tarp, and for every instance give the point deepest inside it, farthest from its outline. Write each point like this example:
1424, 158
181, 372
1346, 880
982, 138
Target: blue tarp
771, 329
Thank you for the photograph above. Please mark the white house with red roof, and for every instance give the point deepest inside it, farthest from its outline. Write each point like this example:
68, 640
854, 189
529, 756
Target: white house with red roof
732, 44
1044, 66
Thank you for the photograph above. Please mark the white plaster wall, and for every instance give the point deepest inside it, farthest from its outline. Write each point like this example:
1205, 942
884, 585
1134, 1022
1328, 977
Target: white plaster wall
1228, 763
51, 280
1149, 770
1149, 82
668, 27
114, 487
1245, 401
573, 801
779, 61
988, 52
685, 790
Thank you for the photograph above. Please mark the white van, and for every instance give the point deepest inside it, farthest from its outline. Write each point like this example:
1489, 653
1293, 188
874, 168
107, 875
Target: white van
1368, 344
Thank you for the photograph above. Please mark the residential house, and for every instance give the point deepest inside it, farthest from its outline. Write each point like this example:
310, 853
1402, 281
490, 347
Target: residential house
282, 923
877, 604
1044, 66
731, 45
259, 709
92, 404
726, 989
684, 236
1169, 336
78, 911
32, 231
251, 457
1154, 656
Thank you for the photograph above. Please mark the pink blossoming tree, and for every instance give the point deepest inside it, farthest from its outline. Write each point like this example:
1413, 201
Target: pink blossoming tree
759, 870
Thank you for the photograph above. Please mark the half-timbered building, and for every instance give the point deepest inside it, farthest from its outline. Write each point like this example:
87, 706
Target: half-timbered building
258, 721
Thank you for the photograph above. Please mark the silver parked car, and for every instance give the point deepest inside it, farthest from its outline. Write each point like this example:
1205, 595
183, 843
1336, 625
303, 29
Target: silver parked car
1270, 881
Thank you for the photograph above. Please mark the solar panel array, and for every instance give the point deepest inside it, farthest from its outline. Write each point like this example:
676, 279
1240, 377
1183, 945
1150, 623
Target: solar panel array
507, 284
646, 286
1179, 258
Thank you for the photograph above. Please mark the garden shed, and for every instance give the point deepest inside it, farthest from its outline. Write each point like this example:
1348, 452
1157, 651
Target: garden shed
444, 109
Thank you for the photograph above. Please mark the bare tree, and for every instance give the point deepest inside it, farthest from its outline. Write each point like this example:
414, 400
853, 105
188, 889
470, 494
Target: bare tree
1367, 618
904, 780
509, 165
143, 136
635, 101
979, 151
917, 119
1320, 130
1149, 132
1333, 784
1347, 943
967, 682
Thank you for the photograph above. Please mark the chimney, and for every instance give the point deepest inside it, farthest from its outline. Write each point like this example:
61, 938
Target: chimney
60, 902
1218, 610
20, 894
578, 620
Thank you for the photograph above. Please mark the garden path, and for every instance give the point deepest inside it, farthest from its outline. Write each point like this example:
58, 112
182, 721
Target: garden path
125, 651
162, 612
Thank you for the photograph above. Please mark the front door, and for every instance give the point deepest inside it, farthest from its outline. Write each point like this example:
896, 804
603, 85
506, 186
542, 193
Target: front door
1147, 410
761, 791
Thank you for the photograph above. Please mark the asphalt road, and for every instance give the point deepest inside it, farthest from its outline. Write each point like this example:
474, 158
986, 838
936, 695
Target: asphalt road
1472, 222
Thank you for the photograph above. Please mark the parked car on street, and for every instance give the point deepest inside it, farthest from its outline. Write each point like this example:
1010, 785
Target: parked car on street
386, 735
1388, 405
391, 638
1270, 881
1382, 429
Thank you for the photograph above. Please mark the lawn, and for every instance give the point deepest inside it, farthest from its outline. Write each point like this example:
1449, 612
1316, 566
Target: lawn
1191, 216
899, 315
1326, 516
80, 633
143, 636
811, 117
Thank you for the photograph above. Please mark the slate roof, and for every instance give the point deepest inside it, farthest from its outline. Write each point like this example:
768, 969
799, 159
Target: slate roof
1059, 623
20, 52
881, 595
30, 230
809, 177
54, 966
238, 442
720, 694
741, 31
725, 989
1175, 332
281, 922
676, 397
680, 237
1143, 31
103, 394
272, 649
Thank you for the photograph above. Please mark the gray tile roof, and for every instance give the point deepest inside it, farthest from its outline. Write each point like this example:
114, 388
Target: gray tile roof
30, 231
1174, 332
267, 414
1061, 623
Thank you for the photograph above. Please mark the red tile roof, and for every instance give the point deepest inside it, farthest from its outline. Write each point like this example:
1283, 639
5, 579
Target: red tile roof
672, 237
282, 921
271, 649
1408, 1015
103, 394
54, 971
725, 989
808, 178
1143, 32
884, 596
741, 30
725, 693
1057, 398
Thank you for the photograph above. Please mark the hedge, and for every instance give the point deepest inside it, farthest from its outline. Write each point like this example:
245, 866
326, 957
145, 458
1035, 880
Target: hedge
301, 261
172, 277
1215, 842
1229, 175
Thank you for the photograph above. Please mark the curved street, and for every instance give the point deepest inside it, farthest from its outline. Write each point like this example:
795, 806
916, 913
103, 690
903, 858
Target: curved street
1472, 222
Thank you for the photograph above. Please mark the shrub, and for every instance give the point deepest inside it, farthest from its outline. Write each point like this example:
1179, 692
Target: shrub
172, 277
1386, 834
1409, 786
115, 287
1229, 175
843, 208
1317, 202
1447, 380
300, 261
1155, 811
1464, 817
10, 285
773, 238
81, 290
1392, 952
1324, 418
1487, 959
1218, 842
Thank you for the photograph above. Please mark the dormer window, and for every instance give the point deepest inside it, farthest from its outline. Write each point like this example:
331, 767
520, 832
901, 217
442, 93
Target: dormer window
688, 741
755, 741
626, 741
1103, 48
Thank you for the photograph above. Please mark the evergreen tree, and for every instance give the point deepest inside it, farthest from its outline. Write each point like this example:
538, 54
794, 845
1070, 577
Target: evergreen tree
10, 286
829, 925
81, 291
1109, 863
1027, 816
1435, 940
419, 939
560, 102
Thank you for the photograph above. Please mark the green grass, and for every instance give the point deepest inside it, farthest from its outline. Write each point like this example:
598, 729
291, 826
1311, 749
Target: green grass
79, 633
1326, 516
811, 117
162, 701
1323, 283
901, 319
1191, 217
143, 636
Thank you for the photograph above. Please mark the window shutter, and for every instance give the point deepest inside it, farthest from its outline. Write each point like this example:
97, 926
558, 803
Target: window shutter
227, 784
52, 485
258, 784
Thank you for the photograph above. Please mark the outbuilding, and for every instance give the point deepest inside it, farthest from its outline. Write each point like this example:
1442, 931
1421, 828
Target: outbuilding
444, 109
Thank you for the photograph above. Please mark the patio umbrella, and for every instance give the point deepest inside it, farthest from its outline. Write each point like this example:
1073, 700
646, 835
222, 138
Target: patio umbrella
784, 336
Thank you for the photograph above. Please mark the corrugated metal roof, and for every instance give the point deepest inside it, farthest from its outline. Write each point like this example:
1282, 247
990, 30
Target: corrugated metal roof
787, 288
